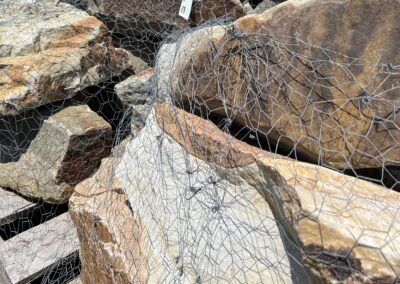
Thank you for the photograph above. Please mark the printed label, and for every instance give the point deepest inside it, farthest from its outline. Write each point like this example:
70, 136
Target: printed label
184, 10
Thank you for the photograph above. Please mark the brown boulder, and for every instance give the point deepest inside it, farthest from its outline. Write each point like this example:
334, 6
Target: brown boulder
315, 77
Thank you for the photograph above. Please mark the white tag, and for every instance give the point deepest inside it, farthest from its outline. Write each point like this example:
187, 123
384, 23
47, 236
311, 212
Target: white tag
184, 10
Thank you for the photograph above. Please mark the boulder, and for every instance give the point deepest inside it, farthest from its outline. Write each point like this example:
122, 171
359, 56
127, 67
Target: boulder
185, 201
121, 246
49, 51
314, 77
156, 17
136, 96
67, 149
214, 207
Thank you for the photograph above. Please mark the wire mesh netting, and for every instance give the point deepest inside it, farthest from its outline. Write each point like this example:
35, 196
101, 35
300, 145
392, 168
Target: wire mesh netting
254, 142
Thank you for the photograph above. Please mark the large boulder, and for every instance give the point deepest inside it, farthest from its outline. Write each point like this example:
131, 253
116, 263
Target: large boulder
317, 78
49, 51
206, 206
149, 240
67, 149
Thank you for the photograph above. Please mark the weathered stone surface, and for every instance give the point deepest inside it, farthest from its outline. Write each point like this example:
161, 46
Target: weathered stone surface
156, 17
119, 246
27, 255
67, 149
111, 239
12, 206
313, 76
137, 97
51, 50
217, 188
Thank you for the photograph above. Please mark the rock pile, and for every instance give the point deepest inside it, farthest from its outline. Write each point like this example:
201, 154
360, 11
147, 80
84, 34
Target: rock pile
232, 154
51, 51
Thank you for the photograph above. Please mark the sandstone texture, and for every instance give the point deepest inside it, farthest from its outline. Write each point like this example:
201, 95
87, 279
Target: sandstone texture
262, 6
111, 239
156, 17
341, 229
30, 254
311, 224
50, 50
165, 170
67, 150
313, 76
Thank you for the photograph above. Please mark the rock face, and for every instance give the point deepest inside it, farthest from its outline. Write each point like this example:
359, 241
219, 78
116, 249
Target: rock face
313, 76
49, 51
137, 98
156, 17
67, 149
128, 250
210, 196
107, 230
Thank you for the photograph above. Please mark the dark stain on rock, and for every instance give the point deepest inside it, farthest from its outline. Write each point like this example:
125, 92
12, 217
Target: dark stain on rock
341, 263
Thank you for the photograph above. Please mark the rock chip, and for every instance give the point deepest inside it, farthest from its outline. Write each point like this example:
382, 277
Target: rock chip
50, 50
67, 149
313, 76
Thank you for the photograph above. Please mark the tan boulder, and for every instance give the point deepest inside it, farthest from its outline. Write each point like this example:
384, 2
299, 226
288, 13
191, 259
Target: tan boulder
214, 207
121, 246
67, 149
49, 51
187, 202
313, 76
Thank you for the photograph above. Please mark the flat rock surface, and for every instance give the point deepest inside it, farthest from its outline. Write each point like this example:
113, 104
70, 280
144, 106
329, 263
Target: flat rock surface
26, 255
197, 225
11, 205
